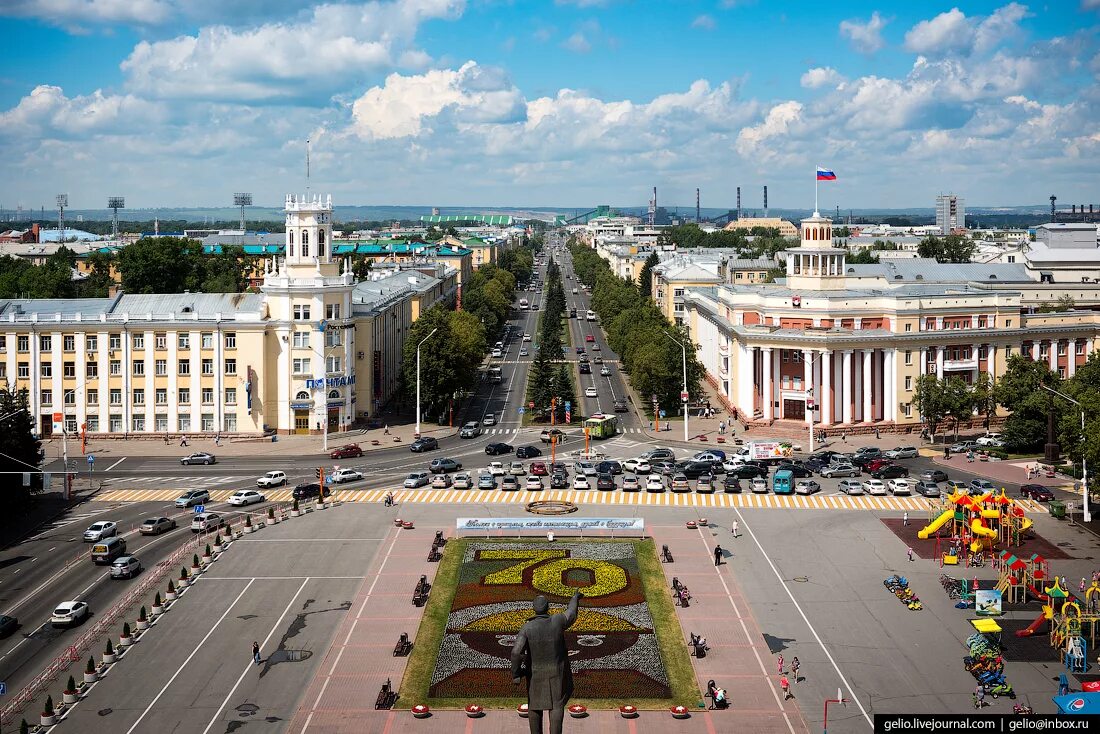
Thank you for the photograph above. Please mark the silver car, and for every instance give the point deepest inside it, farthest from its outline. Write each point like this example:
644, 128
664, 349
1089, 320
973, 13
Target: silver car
840, 470
901, 452
850, 486
125, 567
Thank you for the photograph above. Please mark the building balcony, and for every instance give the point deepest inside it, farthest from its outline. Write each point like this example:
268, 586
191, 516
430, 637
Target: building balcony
724, 350
960, 365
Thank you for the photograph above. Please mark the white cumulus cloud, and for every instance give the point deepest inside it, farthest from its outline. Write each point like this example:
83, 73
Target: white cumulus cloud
954, 32
822, 76
74, 13
865, 37
704, 21
46, 111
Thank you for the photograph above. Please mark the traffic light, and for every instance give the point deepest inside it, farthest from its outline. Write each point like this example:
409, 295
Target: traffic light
320, 474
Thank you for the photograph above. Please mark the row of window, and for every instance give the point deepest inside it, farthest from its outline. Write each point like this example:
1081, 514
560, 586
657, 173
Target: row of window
160, 396
114, 341
302, 311
301, 365
333, 338
114, 368
138, 424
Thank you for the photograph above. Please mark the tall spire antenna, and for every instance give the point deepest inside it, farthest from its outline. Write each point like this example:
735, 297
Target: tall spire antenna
307, 165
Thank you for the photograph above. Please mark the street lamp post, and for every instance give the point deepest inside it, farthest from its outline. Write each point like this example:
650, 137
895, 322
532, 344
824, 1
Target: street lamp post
1086, 514
685, 392
429, 336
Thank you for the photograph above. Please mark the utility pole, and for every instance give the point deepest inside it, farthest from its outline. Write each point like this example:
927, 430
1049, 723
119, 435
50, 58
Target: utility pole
429, 336
1086, 512
684, 394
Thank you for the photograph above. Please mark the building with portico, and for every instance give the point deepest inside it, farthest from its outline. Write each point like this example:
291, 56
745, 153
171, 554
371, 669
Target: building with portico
826, 347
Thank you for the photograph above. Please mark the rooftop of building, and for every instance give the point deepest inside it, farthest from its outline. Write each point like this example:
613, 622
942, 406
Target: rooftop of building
138, 307
397, 247
928, 270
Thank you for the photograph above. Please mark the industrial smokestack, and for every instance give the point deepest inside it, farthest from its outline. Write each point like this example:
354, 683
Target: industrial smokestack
697, 219
738, 202
765, 202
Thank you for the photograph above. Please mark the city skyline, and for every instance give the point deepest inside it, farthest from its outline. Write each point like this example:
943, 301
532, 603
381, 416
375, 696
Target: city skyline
441, 102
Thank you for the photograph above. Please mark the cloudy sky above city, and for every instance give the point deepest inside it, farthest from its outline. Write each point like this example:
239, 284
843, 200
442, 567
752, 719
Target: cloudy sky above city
567, 103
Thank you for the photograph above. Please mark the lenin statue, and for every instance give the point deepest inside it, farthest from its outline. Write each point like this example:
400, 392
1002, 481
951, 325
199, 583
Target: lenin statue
539, 655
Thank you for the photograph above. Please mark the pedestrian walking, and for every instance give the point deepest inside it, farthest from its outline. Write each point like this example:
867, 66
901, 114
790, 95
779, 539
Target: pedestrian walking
717, 555
1082, 588
910, 552
256, 652
786, 686
795, 665
386, 430
844, 437
735, 530
217, 440
877, 436
905, 519
780, 662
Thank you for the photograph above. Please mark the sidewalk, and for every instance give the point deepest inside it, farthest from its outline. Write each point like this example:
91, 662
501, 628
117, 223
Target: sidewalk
399, 435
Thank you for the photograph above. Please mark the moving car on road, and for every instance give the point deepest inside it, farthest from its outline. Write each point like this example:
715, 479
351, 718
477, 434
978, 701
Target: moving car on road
1037, 492
517, 469
489, 420
69, 613
962, 447
245, 497
590, 392
8, 625
981, 486
995, 440
470, 430
416, 479
901, 452
125, 567
272, 479
620, 406
200, 457
424, 443
205, 521
496, 469
351, 451
556, 434
954, 486
890, 471
157, 525
100, 530
933, 475
496, 449
194, 497
528, 452
444, 465
341, 476
638, 466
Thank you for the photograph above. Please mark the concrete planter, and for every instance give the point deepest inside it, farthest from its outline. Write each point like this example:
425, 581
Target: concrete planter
195, 571
158, 610
125, 641
90, 678
205, 559
142, 624
170, 596
109, 658
217, 548
69, 698
250, 528
45, 720
322, 505
295, 513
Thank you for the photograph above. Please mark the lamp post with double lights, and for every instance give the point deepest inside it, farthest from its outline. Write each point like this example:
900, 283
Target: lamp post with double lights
1086, 513
683, 395
429, 336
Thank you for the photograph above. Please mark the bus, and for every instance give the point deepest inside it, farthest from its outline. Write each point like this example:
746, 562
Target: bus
523, 304
602, 426
495, 375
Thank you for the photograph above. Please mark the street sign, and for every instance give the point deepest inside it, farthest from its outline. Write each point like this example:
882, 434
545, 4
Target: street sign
3, 688
568, 416
568, 406
522, 410
199, 509
684, 396
91, 459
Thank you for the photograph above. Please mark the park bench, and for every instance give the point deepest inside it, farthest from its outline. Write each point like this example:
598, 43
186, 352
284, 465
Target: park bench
403, 646
666, 554
386, 696
420, 593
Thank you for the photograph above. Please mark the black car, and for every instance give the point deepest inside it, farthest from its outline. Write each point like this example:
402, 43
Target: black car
559, 481
731, 484
694, 469
8, 625
747, 471
306, 491
798, 469
620, 406
424, 443
815, 463
1037, 492
610, 467
584, 368
605, 481
890, 471
496, 449
826, 456
528, 452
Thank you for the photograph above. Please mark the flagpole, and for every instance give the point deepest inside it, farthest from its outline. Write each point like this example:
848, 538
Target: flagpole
816, 184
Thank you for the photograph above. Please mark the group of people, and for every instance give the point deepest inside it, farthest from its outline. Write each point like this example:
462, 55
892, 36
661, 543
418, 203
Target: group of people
784, 681
680, 592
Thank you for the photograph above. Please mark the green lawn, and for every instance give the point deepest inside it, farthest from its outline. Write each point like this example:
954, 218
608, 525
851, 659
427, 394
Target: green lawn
670, 637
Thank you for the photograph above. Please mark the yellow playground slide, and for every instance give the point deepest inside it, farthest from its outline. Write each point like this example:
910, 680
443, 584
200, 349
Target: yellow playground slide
977, 528
936, 524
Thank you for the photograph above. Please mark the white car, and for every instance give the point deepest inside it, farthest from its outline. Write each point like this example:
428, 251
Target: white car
517, 469
346, 475
585, 468
850, 486
463, 481
654, 483
100, 530
526, 337
205, 521
69, 612
497, 354
759, 485
489, 420
631, 483
497, 469
245, 497
272, 479
581, 482
533, 483
416, 479
991, 439
900, 486
732, 463
590, 392
806, 486
441, 481
605, 371
638, 466
875, 487
901, 452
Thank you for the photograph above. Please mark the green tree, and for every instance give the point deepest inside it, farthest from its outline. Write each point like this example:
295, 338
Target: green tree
950, 249
20, 451
161, 265
449, 360
863, 256
958, 401
928, 399
645, 278
984, 398
1020, 391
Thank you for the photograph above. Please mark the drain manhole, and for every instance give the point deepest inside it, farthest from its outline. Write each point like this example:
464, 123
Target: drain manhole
800, 579
104, 712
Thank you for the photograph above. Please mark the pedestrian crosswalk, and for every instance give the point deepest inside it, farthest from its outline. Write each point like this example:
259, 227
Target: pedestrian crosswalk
581, 497
65, 520
172, 480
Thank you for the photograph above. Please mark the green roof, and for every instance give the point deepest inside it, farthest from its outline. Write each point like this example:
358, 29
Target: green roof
500, 220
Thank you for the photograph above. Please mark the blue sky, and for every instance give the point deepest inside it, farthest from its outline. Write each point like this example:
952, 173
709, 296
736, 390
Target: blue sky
566, 103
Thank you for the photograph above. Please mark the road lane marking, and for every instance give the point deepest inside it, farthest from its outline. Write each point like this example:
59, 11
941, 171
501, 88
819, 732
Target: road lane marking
112, 466
250, 664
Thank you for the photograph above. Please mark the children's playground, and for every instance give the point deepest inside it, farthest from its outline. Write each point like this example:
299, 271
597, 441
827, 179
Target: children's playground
976, 525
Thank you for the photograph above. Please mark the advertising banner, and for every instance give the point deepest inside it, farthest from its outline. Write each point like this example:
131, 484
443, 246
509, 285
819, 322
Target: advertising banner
550, 523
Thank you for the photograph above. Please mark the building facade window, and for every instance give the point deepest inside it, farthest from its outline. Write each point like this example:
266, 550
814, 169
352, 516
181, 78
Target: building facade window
68, 369
208, 366
69, 397
46, 397
332, 311
230, 422
208, 396
93, 423
184, 396
183, 341
45, 369
45, 343
23, 369
139, 367
207, 340
23, 343
114, 367
332, 338
184, 367
301, 312
230, 396
332, 364
160, 367
91, 343
93, 397
139, 397
301, 340
161, 423
68, 343
909, 382
301, 365
115, 396
115, 424
908, 356
138, 423
161, 396
138, 341
183, 423
207, 422
230, 366
161, 340
114, 341
91, 370
231, 340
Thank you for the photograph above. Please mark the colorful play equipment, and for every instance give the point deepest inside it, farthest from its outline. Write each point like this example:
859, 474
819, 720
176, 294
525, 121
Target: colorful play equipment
976, 523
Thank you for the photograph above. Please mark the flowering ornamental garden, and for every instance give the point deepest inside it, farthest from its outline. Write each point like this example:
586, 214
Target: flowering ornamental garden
613, 647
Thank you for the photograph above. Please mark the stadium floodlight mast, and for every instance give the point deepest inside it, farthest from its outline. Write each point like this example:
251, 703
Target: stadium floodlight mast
62, 202
115, 203
242, 200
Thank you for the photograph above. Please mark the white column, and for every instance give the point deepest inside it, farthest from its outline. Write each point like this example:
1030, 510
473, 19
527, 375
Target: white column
808, 379
173, 381
81, 396
127, 381
827, 387
939, 361
868, 413
194, 353
1053, 355
889, 388
1071, 370
282, 414
766, 379
58, 385
219, 379
150, 386
744, 370
1035, 350
846, 386
104, 382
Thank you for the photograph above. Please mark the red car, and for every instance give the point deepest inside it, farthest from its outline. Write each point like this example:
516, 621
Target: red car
589, 338
351, 451
876, 464
538, 469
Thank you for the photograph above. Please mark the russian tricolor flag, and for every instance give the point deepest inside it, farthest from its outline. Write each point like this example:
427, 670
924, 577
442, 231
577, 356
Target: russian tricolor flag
824, 174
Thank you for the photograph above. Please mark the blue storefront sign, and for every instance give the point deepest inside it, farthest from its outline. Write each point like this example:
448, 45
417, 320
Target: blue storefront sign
323, 382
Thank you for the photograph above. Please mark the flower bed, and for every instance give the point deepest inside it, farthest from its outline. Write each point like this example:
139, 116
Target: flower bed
613, 649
